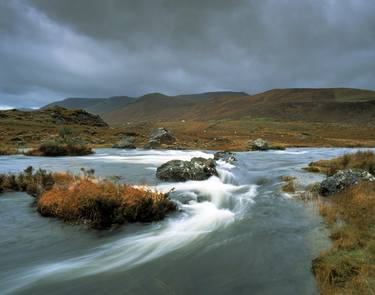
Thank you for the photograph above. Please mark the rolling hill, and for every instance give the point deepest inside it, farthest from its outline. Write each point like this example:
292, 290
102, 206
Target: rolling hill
299, 104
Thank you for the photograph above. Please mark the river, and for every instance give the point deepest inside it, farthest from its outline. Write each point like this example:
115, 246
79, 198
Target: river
235, 234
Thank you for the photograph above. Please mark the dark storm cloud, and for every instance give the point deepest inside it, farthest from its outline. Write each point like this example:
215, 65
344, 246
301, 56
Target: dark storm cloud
51, 48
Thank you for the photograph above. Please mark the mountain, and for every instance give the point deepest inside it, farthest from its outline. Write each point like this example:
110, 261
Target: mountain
295, 104
93, 105
108, 105
301, 104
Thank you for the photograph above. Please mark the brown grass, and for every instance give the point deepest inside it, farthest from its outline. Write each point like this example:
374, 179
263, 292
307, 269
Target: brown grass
55, 149
85, 199
103, 203
349, 266
290, 184
364, 160
7, 150
30, 181
212, 135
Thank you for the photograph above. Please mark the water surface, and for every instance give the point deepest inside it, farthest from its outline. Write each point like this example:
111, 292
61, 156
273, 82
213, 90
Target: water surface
235, 234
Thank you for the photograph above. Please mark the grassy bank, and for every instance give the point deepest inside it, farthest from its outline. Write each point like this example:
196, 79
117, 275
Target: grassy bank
364, 160
348, 267
86, 199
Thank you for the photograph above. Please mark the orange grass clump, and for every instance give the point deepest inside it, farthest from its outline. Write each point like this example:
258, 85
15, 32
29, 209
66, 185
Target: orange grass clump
349, 266
103, 203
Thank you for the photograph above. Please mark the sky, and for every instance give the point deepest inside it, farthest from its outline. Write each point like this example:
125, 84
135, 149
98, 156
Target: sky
52, 49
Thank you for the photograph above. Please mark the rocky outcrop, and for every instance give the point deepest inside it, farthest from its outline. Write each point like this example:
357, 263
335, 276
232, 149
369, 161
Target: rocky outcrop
178, 170
127, 142
158, 137
225, 156
343, 179
259, 145
61, 115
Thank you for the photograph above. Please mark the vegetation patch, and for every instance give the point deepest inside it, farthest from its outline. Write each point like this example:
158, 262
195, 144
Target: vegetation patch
86, 199
57, 149
364, 160
349, 266
5, 151
103, 203
34, 182
290, 184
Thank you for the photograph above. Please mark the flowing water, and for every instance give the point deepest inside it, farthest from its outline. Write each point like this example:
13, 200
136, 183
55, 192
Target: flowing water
235, 234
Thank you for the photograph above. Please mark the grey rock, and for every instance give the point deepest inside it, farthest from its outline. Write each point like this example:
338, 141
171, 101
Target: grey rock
259, 145
343, 179
163, 136
225, 156
178, 170
127, 142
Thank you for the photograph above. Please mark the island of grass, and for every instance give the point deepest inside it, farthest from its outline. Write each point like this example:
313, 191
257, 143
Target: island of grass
59, 149
348, 267
98, 203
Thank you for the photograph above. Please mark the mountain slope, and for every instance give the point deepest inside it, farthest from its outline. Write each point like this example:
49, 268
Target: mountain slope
320, 105
300, 104
93, 105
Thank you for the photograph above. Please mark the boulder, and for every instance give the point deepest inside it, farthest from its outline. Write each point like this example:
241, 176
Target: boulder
225, 156
343, 179
163, 136
259, 145
178, 170
127, 142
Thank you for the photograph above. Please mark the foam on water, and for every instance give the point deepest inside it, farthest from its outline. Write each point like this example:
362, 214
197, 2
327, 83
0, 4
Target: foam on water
152, 157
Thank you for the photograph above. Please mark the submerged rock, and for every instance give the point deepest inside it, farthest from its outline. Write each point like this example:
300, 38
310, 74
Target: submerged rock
127, 142
343, 179
178, 170
228, 157
259, 145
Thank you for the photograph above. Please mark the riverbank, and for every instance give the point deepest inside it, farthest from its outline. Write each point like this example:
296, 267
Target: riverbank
227, 134
348, 266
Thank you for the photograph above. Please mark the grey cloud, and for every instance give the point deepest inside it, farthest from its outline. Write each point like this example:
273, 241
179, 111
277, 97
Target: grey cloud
53, 49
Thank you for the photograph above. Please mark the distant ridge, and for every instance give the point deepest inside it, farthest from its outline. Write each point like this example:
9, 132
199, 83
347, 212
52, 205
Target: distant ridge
107, 105
294, 104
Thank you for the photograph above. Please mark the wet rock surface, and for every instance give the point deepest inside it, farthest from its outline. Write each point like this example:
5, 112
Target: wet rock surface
178, 170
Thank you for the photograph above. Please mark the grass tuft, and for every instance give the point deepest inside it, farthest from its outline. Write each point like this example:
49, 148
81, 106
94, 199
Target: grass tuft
55, 149
349, 266
103, 203
364, 160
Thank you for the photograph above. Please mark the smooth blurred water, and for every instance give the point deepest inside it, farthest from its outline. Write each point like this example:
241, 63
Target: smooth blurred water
235, 234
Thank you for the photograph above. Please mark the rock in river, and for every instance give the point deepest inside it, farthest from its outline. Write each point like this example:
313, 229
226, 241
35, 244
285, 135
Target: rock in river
343, 179
178, 170
225, 156
259, 145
